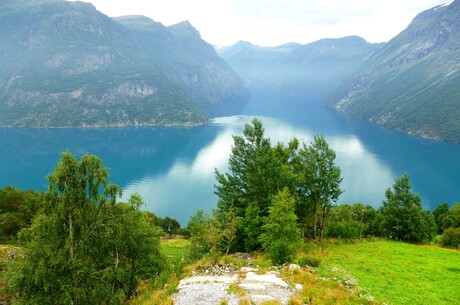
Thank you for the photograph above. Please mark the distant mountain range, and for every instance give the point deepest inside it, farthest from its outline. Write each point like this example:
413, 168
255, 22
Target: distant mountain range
411, 83
65, 64
311, 70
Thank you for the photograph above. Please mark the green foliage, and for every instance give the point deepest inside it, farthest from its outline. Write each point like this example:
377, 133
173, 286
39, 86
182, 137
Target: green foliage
85, 248
227, 223
214, 234
258, 171
402, 215
280, 232
169, 225
309, 260
321, 180
450, 238
451, 218
199, 228
438, 214
351, 221
17, 209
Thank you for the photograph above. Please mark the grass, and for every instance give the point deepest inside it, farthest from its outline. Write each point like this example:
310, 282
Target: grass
379, 272
174, 247
396, 273
4, 260
319, 290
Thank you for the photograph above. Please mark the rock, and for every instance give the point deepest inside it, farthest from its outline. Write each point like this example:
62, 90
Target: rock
11, 254
294, 268
243, 256
298, 287
209, 289
247, 269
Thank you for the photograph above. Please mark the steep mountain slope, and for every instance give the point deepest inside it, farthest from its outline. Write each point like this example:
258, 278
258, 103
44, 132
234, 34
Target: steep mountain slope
66, 64
312, 70
413, 82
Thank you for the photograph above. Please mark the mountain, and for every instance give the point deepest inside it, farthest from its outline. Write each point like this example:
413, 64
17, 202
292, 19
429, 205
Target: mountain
413, 82
66, 64
312, 70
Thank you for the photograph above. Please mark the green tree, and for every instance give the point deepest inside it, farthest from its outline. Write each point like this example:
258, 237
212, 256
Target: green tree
201, 230
85, 248
320, 187
169, 225
402, 215
256, 173
228, 223
438, 214
17, 210
451, 219
450, 238
280, 231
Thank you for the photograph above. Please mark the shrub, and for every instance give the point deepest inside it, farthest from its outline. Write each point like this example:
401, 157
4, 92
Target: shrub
451, 238
309, 260
281, 252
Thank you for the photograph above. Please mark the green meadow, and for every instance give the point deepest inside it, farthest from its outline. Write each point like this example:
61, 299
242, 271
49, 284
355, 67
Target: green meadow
395, 272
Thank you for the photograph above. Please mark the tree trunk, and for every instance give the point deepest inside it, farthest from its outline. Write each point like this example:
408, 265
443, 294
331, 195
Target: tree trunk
71, 237
323, 220
315, 220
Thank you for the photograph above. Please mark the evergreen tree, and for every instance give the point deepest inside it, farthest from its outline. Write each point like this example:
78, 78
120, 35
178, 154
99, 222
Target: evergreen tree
255, 174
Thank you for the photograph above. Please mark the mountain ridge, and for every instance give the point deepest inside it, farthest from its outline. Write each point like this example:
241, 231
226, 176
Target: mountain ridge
412, 83
298, 70
68, 65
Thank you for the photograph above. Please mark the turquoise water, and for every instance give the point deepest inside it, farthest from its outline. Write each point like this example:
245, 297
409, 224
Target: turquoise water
173, 168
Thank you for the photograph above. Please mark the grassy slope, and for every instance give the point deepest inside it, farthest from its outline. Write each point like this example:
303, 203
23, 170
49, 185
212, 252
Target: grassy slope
398, 273
150, 295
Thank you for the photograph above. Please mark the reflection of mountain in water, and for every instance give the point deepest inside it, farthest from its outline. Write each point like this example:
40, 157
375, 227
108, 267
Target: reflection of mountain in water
31, 154
173, 168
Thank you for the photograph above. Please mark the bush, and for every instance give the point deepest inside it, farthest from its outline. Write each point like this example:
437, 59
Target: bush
343, 229
281, 252
451, 238
309, 260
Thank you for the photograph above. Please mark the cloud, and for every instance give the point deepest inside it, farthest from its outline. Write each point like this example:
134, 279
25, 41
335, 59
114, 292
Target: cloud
274, 22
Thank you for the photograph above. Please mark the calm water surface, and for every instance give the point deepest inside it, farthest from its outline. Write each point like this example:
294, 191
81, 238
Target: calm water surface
173, 168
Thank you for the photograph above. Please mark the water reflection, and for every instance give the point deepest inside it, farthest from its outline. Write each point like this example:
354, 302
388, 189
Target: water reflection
173, 168
187, 186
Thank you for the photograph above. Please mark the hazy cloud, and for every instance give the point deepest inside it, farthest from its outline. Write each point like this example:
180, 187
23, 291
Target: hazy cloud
274, 22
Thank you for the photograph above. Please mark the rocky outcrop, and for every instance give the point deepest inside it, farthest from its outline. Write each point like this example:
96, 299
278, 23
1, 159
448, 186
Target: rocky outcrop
207, 289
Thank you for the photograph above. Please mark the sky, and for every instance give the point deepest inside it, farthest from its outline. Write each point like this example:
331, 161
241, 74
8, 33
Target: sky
275, 22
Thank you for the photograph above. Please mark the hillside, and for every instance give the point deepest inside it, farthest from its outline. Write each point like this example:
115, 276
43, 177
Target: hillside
413, 82
65, 64
312, 70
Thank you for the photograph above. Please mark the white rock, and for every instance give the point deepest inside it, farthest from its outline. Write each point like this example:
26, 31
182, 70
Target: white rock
293, 267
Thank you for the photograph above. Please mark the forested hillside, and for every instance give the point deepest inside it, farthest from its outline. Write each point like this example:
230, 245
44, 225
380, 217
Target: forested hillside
66, 64
413, 82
